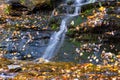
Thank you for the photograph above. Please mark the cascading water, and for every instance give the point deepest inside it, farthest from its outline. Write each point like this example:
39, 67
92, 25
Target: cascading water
58, 37
55, 41
77, 9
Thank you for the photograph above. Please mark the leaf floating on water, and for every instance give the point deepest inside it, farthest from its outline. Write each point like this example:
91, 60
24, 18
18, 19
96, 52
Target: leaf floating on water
118, 16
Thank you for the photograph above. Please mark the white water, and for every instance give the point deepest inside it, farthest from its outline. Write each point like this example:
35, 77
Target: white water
57, 38
77, 9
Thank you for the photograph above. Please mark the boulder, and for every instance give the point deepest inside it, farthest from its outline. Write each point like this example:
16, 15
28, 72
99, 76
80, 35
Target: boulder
29, 3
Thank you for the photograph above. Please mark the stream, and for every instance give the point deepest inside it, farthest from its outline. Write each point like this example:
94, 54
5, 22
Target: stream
34, 44
57, 38
29, 44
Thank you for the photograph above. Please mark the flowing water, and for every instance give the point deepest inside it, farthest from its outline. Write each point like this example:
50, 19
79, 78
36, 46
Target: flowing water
36, 44
32, 44
55, 41
57, 38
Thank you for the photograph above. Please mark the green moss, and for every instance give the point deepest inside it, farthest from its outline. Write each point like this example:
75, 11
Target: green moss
22, 1
54, 26
79, 20
76, 43
7, 9
87, 12
70, 32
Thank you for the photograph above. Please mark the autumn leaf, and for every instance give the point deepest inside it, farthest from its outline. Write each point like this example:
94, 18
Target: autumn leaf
102, 8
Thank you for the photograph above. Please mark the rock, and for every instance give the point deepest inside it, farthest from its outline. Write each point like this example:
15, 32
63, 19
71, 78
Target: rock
13, 66
7, 75
30, 3
20, 7
69, 2
12, 1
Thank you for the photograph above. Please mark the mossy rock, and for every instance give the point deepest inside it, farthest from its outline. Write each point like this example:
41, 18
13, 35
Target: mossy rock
70, 2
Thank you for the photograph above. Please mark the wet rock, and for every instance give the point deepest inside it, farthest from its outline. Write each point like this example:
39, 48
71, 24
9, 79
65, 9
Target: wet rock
13, 66
7, 75
31, 4
16, 7
69, 2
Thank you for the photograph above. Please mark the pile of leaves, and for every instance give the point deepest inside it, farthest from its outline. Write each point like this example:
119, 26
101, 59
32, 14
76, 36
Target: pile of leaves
60, 70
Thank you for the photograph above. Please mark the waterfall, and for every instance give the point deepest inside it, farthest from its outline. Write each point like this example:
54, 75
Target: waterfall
57, 38
77, 9
55, 41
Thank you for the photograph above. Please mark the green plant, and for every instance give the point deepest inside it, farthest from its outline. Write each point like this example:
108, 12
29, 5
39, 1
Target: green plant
54, 26
100, 4
22, 1
7, 9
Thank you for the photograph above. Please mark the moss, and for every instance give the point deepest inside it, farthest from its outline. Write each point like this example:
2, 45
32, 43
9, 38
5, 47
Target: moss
22, 1
54, 26
7, 9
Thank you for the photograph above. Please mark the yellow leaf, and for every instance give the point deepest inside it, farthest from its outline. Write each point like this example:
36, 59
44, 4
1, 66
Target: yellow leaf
118, 16
17, 25
118, 71
90, 17
102, 8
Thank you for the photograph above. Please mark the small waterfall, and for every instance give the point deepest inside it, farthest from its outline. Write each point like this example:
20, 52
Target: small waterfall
55, 41
57, 38
77, 9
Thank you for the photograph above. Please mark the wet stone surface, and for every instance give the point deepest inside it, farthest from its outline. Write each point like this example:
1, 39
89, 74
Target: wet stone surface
24, 37
24, 44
